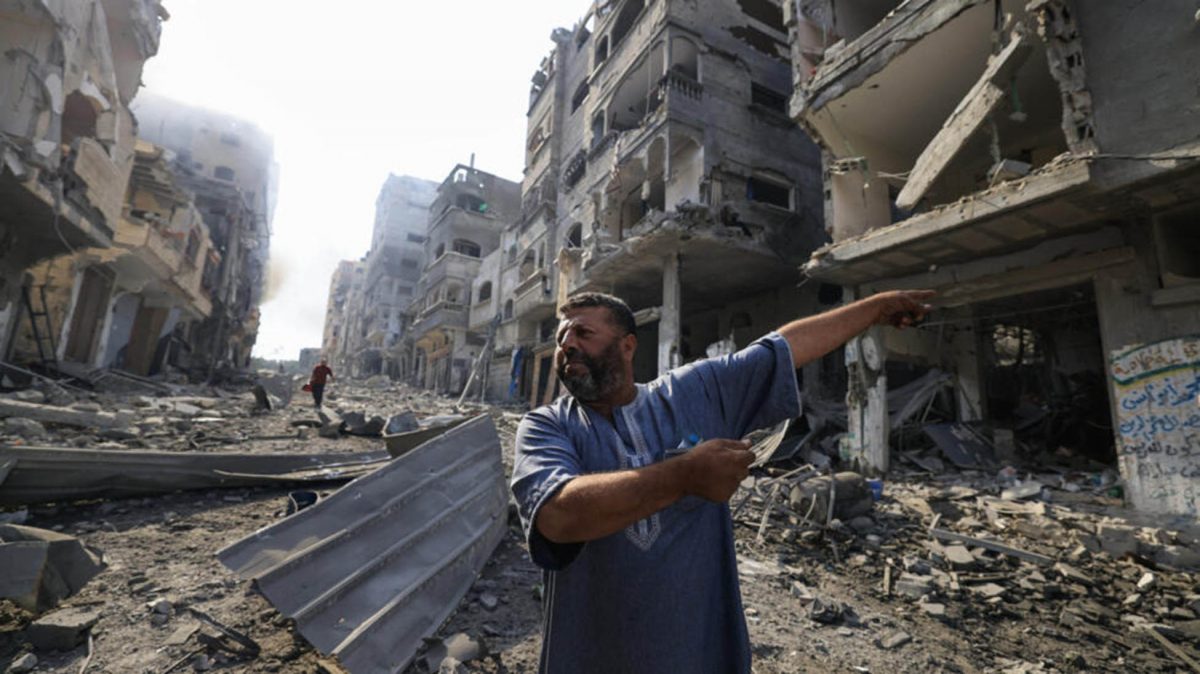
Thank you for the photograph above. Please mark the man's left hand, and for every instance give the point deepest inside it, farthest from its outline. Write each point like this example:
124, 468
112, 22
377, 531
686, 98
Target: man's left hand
902, 308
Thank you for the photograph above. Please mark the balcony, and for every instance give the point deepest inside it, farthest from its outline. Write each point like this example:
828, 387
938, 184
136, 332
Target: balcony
534, 297
451, 265
441, 315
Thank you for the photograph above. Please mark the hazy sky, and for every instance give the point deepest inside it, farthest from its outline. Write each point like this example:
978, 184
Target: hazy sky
351, 90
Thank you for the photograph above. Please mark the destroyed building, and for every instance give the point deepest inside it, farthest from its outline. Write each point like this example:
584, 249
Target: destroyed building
66, 137
122, 306
228, 164
660, 166
1034, 162
467, 219
344, 286
373, 332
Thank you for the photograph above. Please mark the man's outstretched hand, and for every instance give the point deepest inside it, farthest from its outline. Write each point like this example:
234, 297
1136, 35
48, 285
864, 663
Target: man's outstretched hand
902, 308
715, 468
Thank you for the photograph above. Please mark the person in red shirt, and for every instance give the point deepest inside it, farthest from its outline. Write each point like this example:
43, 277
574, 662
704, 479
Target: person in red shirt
317, 382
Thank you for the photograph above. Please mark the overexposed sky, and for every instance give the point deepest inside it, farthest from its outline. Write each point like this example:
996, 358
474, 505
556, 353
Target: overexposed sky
351, 90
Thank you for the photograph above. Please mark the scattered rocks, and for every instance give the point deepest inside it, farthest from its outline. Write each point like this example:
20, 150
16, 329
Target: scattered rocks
23, 664
895, 640
489, 601
24, 428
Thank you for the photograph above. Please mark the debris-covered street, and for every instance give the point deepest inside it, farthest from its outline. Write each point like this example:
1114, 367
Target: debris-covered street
608, 337
952, 570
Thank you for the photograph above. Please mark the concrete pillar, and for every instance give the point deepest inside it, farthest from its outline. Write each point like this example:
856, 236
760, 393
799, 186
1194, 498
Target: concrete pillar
866, 445
966, 346
668, 325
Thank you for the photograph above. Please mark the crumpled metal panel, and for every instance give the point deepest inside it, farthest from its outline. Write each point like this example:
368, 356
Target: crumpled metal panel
43, 474
372, 570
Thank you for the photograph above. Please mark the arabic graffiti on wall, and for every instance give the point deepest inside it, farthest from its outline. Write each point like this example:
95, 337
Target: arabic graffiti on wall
1158, 423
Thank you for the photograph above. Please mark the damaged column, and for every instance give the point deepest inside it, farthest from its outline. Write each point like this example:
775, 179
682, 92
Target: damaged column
866, 442
668, 325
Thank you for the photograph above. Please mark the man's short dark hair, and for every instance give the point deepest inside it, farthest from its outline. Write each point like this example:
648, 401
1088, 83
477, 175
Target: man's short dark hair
619, 313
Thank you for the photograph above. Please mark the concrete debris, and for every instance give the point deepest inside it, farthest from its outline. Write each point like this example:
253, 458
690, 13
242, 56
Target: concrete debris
895, 640
59, 415
452, 652
24, 663
41, 568
62, 630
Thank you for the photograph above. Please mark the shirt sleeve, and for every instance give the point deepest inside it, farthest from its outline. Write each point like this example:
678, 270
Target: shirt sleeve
751, 389
544, 462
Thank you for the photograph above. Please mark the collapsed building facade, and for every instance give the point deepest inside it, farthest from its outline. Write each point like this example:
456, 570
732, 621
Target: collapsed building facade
1034, 162
228, 164
660, 166
373, 329
344, 286
66, 138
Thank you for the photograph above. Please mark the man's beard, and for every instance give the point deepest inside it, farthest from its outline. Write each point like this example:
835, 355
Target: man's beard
602, 376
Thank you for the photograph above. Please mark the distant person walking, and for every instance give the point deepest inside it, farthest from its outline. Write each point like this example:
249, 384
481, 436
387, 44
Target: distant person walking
317, 381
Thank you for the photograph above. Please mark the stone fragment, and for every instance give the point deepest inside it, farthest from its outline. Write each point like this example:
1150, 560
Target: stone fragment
1147, 581
62, 630
28, 396
23, 664
933, 609
895, 640
959, 557
914, 586
1021, 491
1117, 539
1177, 556
988, 590
489, 601
24, 428
202, 663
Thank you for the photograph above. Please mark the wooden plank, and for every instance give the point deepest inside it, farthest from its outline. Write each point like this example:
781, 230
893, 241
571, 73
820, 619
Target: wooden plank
966, 119
1023, 555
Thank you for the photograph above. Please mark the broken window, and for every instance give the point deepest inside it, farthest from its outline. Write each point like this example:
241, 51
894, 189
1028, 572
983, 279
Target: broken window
528, 265
768, 98
597, 128
601, 51
223, 173
78, 118
508, 309
192, 248
575, 236
440, 251
581, 93
466, 247
765, 11
485, 291
1178, 237
416, 238
409, 263
470, 202
765, 190
626, 20
685, 58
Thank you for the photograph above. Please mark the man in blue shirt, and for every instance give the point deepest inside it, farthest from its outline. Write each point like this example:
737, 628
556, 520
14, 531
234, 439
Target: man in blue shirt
623, 488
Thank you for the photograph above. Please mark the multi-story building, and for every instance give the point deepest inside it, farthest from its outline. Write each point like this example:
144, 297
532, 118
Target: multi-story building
661, 165
130, 306
229, 165
70, 71
1036, 163
346, 277
391, 273
467, 219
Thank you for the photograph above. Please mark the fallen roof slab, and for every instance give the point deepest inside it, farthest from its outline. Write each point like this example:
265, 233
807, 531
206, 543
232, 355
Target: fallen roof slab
44, 474
372, 570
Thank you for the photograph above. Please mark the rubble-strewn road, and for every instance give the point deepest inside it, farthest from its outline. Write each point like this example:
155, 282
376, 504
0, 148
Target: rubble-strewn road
815, 595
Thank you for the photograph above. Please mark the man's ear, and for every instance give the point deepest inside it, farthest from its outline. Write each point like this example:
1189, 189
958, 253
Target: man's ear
629, 346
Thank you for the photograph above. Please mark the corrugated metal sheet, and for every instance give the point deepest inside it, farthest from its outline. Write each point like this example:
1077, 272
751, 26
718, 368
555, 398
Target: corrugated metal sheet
370, 571
43, 474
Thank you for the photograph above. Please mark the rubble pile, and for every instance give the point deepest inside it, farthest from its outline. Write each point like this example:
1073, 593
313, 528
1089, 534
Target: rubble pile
1092, 586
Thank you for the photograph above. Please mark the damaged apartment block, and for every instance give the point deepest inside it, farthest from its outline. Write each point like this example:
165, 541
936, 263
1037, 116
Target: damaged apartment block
661, 166
1034, 162
69, 72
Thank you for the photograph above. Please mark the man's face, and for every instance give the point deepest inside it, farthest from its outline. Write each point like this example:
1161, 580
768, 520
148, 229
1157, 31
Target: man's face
589, 359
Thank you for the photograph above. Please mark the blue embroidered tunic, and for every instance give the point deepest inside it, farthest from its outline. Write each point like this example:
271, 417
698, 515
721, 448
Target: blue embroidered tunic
662, 596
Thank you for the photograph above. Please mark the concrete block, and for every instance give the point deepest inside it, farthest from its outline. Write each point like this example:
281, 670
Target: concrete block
1117, 540
62, 630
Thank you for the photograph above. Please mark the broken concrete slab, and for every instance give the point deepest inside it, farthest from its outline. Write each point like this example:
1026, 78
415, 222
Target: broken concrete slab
23, 428
39, 568
63, 415
459, 648
62, 630
851, 496
895, 640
